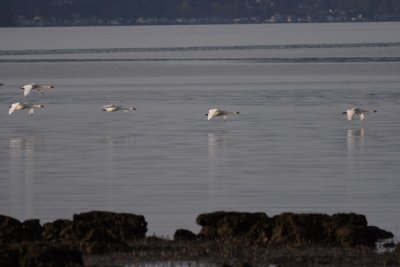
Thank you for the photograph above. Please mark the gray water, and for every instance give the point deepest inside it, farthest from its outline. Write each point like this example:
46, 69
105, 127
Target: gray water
289, 149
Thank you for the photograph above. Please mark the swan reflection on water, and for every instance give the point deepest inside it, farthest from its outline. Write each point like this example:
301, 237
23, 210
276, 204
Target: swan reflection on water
19, 146
21, 173
22, 157
216, 143
355, 136
355, 146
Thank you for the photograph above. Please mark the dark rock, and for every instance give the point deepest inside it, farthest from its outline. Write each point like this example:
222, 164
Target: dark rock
99, 241
291, 229
389, 245
354, 235
184, 235
32, 230
339, 229
8, 255
351, 235
234, 225
97, 232
10, 229
343, 219
58, 230
35, 254
339, 222
121, 226
398, 249
298, 229
380, 233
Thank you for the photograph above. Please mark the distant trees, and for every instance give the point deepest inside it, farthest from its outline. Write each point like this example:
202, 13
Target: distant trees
170, 9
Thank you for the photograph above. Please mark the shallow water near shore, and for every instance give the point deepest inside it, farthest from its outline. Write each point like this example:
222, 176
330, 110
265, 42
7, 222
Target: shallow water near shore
289, 149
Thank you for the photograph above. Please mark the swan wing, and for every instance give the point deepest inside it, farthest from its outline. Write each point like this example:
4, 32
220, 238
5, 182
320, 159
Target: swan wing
366, 110
109, 106
12, 108
27, 89
212, 113
126, 109
362, 117
225, 118
30, 111
350, 114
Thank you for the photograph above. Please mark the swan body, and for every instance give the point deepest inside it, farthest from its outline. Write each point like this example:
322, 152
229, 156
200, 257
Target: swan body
357, 111
21, 106
215, 112
33, 86
113, 108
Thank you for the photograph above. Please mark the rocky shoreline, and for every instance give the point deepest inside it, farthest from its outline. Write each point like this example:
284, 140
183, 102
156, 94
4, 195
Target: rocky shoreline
100, 238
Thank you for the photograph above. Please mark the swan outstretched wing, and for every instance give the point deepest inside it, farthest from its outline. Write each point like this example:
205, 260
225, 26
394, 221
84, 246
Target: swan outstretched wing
362, 117
27, 89
12, 108
111, 108
212, 113
350, 114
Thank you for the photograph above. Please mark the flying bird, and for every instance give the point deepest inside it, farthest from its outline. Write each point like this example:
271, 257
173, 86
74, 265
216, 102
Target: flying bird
357, 111
219, 113
20, 106
113, 108
33, 86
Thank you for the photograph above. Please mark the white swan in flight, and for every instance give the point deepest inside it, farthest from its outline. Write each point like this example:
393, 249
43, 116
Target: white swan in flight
33, 86
357, 111
112, 108
20, 106
214, 112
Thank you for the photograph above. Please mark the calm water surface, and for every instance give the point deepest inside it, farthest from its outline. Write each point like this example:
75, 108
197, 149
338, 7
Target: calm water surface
290, 149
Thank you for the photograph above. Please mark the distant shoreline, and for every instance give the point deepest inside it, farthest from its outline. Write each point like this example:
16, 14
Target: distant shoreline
185, 23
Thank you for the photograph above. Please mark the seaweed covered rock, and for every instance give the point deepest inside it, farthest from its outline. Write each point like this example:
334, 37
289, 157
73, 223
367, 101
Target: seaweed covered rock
97, 232
48, 255
13, 231
33, 254
397, 250
32, 230
344, 229
184, 235
234, 225
298, 229
99, 241
9, 255
59, 230
121, 226
93, 232
10, 229
350, 229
